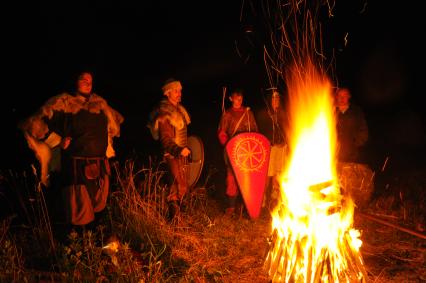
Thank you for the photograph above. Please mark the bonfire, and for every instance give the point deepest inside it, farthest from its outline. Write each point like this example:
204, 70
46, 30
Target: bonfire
312, 235
312, 238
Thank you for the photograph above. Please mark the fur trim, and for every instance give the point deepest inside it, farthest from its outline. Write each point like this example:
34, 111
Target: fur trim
43, 154
37, 128
177, 116
73, 103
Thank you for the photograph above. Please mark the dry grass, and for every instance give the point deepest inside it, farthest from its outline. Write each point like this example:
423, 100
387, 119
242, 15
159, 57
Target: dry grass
392, 255
200, 244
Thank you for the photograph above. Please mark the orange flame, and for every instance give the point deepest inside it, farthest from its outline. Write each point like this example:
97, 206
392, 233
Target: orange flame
313, 239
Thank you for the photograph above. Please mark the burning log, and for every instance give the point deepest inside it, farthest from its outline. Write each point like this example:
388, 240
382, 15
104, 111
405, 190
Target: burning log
321, 186
354, 259
319, 271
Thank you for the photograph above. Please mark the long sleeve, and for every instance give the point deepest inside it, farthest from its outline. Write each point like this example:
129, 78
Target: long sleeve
222, 129
362, 136
167, 135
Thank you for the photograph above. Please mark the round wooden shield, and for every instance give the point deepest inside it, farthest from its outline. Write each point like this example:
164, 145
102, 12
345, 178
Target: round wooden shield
196, 161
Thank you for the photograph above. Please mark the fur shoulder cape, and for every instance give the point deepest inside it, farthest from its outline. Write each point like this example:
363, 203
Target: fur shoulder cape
177, 116
72, 104
35, 128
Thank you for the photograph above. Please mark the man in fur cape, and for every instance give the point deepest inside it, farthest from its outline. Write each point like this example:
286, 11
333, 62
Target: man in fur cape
169, 123
83, 125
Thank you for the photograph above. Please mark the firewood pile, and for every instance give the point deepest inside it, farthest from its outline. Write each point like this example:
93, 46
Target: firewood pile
358, 181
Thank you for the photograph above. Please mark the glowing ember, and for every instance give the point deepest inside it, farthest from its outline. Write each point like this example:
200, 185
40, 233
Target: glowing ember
312, 235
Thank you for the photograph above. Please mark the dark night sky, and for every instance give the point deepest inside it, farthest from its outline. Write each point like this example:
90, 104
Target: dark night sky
133, 46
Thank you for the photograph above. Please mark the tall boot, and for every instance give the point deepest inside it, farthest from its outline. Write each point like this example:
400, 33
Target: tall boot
173, 210
232, 202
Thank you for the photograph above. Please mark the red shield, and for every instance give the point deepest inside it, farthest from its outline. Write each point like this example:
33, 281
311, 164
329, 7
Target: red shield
249, 157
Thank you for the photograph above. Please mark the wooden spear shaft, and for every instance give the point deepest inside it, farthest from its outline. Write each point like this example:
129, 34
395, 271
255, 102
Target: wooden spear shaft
409, 231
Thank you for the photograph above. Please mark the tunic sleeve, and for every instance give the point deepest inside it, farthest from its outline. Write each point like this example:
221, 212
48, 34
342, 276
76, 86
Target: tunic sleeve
167, 138
222, 129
